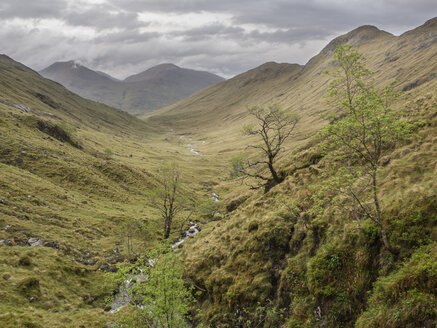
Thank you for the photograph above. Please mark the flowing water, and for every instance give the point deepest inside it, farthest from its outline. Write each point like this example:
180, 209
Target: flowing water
124, 297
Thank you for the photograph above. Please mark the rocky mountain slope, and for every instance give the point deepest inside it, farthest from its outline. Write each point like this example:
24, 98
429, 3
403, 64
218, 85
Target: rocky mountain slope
154, 88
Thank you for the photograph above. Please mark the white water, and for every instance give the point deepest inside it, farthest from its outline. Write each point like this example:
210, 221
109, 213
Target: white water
191, 232
123, 297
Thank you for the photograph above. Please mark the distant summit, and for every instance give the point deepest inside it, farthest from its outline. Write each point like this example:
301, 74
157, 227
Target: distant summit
73, 75
357, 36
171, 72
157, 87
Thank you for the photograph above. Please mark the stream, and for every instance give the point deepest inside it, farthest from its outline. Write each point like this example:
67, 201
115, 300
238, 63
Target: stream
123, 297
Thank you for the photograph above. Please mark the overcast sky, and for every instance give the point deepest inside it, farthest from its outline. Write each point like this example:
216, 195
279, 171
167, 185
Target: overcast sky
226, 37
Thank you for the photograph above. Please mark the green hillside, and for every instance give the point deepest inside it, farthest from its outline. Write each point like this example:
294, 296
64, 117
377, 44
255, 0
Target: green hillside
74, 175
265, 265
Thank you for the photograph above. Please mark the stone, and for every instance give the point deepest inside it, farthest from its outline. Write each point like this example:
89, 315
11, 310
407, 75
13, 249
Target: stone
6, 276
2, 201
108, 268
90, 262
126, 187
18, 160
35, 242
52, 244
84, 202
6, 242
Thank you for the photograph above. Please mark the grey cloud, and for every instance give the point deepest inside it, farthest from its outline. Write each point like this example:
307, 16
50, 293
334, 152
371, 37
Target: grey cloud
100, 17
258, 31
32, 9
208, 31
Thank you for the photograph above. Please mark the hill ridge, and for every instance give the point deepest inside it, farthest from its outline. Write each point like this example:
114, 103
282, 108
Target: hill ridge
156, 87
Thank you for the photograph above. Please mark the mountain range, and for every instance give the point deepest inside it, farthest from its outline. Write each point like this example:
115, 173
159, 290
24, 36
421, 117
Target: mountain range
75, 173
154, 88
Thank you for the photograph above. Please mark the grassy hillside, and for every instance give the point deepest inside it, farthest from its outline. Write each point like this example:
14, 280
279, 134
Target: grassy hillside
218, 112
72, 176
154, 88
261, 260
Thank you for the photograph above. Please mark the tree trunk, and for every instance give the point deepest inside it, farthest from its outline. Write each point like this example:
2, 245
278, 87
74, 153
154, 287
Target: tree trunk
167, 227
276, 177
379, 218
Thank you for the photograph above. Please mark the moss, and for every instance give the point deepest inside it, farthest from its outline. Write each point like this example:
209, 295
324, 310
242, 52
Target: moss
412, 226
25, 260
30, 287
406, 298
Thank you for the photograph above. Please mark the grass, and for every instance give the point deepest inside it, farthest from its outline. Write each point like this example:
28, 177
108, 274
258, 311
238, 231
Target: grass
85, 199
249, 256
80, 198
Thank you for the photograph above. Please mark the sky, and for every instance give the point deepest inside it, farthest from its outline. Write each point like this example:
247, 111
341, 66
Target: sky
225, 37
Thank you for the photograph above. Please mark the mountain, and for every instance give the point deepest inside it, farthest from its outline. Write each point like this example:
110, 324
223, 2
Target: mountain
272, 257
409, 58
72, 178
76, 178
154, 88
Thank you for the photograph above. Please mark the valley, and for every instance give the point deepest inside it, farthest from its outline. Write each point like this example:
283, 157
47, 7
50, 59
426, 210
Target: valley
74, 177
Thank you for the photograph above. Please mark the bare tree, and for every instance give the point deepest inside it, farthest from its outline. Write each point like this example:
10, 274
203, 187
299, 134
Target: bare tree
168, 197
273, 127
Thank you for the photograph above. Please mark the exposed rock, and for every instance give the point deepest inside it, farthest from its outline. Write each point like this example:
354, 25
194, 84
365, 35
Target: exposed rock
6, 276
35, 242
56, 132
52, 244
90, 262
18, 160
84, 202
108, 268
6, 242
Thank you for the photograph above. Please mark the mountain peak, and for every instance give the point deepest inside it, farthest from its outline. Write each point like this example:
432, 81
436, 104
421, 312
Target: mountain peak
431, 23
357, 36
165, 66
171, 71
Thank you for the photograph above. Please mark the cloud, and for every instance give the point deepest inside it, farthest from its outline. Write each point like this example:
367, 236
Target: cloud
123, 37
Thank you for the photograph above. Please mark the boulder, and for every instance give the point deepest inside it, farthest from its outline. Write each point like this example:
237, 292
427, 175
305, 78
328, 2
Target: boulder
35, 241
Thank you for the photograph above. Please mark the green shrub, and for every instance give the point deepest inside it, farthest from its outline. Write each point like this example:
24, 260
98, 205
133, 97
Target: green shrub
406, 298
